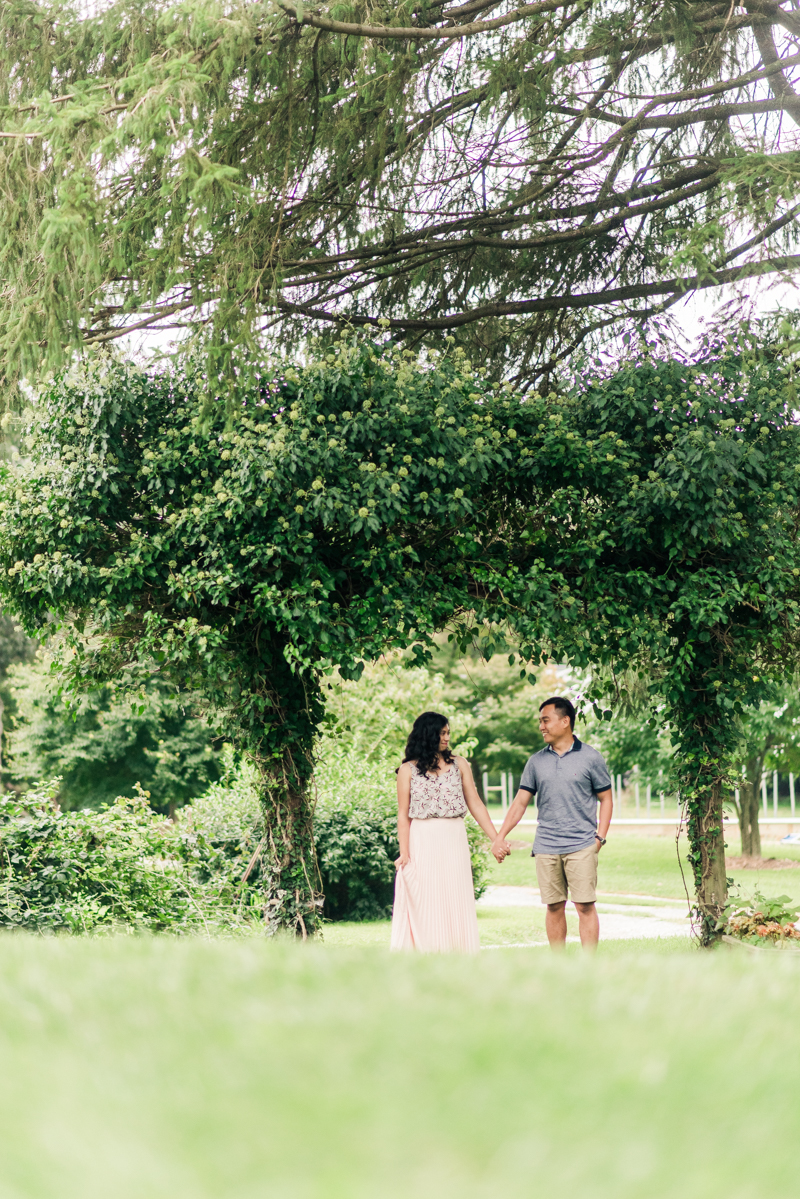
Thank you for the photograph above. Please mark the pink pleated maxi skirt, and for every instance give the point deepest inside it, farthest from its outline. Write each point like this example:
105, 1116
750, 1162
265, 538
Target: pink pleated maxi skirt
434, 901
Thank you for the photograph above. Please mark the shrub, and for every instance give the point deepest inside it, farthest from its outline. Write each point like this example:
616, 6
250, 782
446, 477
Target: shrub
355, 831
78, 871
219, 838
123, 866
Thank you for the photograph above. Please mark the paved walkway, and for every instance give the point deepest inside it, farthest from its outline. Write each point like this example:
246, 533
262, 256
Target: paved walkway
649, 917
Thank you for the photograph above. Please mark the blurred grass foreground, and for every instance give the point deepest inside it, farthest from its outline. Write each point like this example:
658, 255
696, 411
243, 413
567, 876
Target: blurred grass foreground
188, 1069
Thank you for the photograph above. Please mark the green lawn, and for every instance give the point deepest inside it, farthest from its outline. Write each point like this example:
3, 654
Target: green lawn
162, 1069
638, 865
498, 926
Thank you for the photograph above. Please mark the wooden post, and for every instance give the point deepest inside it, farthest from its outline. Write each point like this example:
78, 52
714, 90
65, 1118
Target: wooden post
764, 792
649, 795
774, 793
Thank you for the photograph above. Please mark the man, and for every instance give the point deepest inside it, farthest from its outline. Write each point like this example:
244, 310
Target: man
567, 778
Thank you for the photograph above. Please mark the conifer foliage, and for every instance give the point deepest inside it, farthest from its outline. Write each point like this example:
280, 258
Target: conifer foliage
520, 177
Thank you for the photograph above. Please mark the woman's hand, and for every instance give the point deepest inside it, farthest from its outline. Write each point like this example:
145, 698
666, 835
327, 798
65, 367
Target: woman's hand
501, 849
403, 860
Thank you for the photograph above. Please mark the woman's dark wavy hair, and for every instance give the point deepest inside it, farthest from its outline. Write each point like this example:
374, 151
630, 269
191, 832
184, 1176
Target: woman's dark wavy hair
423, 742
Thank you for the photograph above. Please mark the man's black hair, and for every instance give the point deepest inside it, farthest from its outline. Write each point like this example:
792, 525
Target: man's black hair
562, 706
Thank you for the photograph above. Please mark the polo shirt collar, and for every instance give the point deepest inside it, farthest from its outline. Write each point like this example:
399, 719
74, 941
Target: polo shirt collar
573, 749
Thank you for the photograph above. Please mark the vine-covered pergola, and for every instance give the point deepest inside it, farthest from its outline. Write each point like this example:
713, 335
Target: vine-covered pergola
247, 547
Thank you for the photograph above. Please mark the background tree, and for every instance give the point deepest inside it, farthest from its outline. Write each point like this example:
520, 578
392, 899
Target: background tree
493, 713
636, 745
522, 178
770, 739
646, 521
103, 745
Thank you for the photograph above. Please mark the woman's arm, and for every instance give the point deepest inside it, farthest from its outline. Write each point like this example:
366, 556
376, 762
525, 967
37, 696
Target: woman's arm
477, 807
403, 819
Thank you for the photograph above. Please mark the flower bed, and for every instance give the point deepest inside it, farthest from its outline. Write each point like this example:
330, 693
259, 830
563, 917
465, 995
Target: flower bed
764, 922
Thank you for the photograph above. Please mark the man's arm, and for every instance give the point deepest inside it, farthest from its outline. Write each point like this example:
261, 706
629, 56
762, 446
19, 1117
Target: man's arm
604, 815
515, 812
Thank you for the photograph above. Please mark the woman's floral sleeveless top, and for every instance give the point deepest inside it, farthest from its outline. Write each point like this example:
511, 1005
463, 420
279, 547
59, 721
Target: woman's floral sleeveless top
437, 795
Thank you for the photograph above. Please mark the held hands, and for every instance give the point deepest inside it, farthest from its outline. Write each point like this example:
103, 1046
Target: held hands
501, 849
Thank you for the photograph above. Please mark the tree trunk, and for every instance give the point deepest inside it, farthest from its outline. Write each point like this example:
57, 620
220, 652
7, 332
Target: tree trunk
705, 738
277, 730
707, 841
288, 863
748, 813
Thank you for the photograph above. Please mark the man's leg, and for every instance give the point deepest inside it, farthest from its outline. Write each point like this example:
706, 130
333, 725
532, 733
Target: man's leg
553, 891
581, 872
555, 923
588, 925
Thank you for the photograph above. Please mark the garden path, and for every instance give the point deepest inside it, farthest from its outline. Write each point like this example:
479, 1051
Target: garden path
622, 917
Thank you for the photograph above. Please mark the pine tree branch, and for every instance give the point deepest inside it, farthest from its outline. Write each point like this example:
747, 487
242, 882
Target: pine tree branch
677, 183
557, 303
718, 112
149, 322
419, 32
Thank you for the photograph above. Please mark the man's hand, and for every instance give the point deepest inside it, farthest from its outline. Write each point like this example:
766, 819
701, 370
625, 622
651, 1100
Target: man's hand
501, 849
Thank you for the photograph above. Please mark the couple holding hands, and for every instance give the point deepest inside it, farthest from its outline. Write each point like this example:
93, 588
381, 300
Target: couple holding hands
434, 904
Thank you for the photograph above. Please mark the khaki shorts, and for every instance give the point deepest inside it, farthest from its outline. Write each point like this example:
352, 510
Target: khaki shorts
576, 872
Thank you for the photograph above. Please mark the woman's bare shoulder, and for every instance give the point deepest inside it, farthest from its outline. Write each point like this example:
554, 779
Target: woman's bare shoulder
462, 764
406, 768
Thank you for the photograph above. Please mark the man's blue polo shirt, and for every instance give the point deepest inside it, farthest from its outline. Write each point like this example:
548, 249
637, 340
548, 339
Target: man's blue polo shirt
566, 788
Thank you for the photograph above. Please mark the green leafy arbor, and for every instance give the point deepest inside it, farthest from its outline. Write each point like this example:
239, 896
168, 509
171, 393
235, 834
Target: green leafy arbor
646, 520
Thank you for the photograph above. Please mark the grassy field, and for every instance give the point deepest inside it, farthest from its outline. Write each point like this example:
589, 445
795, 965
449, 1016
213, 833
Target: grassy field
158, 1069
153, 1068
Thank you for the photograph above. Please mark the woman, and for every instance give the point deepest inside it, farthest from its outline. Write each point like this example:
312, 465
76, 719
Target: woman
434, 900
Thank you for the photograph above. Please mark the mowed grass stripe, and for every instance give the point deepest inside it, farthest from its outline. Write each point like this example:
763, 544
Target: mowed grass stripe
153, 1067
